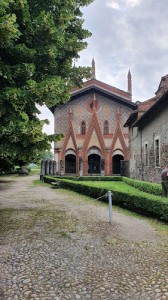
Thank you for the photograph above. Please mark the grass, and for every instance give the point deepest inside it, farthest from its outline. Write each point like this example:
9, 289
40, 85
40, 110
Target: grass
39, 220
116, 186
39, 182
34, 171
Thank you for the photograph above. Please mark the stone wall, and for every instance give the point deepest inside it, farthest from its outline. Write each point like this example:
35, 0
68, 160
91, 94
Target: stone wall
156, 128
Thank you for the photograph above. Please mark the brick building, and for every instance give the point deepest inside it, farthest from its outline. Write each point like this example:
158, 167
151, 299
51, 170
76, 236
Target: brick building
148, 130
95, 140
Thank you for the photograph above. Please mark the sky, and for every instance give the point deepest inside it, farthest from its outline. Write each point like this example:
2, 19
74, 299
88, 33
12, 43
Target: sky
126, 34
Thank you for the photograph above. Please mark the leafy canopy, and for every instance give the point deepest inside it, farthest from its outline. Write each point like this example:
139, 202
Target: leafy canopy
39, 41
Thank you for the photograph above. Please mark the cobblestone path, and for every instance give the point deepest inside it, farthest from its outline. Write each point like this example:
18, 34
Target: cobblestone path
55, 244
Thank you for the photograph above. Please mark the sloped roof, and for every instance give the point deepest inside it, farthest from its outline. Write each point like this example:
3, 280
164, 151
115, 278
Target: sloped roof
163, 85
104, 86
141, 109
151, 112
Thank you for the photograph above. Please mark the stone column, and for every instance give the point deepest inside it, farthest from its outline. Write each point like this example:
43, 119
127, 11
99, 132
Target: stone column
80, 166
51, 167
46, 167
54, 167
102, 164
61, 167
42, 172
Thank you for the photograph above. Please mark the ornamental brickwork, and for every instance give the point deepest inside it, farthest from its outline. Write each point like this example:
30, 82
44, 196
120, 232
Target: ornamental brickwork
95, 140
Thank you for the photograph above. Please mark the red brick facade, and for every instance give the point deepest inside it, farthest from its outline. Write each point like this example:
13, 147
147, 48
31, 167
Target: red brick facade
92, 122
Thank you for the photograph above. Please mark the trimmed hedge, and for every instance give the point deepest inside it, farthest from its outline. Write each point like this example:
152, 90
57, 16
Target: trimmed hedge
148, 187
124, 196
91, 178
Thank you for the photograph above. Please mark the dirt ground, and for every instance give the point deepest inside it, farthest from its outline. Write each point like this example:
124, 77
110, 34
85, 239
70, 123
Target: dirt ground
56, 244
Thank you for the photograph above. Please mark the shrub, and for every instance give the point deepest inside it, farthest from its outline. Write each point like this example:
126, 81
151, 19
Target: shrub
148, 187
91, 178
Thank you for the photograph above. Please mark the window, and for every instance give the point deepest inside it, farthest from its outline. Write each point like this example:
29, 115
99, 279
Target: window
157, 152
146, 155
106, 127
83, 127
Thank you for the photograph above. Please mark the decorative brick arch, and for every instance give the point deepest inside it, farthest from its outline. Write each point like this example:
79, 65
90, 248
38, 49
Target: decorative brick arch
69, 134
95, 148
93, 125
70, 156
118, 134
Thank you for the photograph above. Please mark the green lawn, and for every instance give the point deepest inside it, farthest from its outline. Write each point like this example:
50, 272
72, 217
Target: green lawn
116, 186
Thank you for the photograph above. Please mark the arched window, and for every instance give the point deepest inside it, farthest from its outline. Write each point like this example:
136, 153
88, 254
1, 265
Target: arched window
106, 127
83, 127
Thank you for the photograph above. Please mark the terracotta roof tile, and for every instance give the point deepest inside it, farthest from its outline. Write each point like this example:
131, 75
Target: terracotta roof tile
104, 86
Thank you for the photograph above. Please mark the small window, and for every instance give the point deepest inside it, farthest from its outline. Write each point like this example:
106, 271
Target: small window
106, 127
146, 155
83, 127
157, 152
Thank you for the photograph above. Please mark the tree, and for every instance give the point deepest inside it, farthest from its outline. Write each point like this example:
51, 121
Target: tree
39, 41
47, 155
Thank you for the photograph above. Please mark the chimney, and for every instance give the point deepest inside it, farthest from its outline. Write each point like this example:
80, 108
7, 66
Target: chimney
129, 83
93, 76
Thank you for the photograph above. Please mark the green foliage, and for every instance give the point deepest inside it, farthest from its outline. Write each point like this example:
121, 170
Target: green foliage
123, 195
46, 155
39, 41
92, 178
148, 187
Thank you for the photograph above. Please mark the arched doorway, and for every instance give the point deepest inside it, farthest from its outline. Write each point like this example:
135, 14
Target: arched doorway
70, 164
116, 163
94, 164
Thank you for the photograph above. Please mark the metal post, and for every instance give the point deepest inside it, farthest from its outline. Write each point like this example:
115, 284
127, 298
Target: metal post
91, 166
110, 206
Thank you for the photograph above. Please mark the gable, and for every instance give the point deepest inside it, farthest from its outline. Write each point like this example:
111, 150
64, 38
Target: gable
118, 96
70, 144
94, 141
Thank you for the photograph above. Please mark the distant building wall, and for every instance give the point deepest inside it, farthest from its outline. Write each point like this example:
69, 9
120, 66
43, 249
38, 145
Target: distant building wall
146, 161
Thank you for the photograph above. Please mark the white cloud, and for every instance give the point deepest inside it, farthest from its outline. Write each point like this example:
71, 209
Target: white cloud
113, 4
133, 2
122, 4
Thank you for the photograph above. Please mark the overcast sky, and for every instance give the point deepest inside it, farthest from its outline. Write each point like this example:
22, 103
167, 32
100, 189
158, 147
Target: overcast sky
126, 34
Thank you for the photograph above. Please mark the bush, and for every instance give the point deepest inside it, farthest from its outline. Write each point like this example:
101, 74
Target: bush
124, 196
91, 178
23, 170
148, 187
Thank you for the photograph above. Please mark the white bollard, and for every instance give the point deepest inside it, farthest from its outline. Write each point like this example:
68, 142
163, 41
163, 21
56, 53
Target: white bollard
110, 206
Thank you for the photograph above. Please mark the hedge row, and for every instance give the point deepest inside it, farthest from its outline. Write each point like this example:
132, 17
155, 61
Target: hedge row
148, 187
134, 200
91, 178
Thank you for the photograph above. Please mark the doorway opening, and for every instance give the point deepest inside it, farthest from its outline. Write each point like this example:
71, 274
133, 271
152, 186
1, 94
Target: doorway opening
116, 163
70, 164
94, 164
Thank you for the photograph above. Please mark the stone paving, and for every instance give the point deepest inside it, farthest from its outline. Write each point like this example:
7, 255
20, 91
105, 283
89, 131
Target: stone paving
58, 245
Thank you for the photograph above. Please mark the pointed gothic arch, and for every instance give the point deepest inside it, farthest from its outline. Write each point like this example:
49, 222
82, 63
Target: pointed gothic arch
70, 161
117, 157
94, 160
106, 127
83, 127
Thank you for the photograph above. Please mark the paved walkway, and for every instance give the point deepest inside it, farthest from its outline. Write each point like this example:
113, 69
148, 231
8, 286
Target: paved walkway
58, 245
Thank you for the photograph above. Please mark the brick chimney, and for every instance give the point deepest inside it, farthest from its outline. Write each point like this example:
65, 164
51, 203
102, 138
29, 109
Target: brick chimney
129, 83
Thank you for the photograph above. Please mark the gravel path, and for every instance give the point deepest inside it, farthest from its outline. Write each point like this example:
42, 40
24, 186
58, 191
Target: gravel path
55, 244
